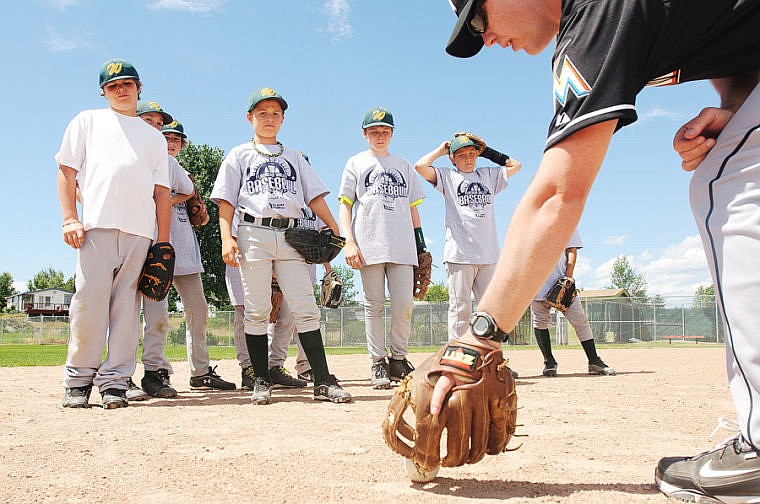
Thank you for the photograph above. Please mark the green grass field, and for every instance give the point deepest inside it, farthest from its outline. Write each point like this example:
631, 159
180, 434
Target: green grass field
55, 355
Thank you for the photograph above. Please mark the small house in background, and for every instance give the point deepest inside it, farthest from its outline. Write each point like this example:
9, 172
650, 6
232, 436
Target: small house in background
41, 302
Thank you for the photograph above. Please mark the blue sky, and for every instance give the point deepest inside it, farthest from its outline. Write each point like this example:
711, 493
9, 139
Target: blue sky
332, 60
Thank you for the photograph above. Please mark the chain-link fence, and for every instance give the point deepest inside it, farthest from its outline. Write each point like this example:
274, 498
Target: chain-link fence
619, 320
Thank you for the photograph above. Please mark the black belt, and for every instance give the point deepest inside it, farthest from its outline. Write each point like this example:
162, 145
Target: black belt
271, 222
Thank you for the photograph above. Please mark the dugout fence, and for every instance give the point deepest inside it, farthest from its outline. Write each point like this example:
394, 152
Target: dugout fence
618, 320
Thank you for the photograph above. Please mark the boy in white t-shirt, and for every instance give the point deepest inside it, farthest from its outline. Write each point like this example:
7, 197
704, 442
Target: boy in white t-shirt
267, 185
119, 165
471, 248
378, 215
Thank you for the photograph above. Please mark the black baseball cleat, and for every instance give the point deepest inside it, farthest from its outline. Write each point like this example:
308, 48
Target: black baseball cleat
135, 393
247, 376
210, 380
550, 369
77, 397
280, 376
398, 369
306, 376
156, 384
114, 398
729, 473
329, 390
380, 375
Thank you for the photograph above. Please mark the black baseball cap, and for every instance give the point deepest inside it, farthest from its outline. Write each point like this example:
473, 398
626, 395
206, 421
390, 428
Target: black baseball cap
462, 43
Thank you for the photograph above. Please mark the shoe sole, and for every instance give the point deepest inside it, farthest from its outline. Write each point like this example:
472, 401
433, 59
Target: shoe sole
77, 405
336, 400
142, 397
210, 387
282, 385
165, 395
686, 495
115, 404
381, 386
601, 373
550, 374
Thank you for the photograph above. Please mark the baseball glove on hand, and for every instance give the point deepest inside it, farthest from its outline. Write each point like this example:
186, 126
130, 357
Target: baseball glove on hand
481, 144
562, 293
422, 274
317, 247
196, 208
479, 416
276, 302
158, 271
331, 292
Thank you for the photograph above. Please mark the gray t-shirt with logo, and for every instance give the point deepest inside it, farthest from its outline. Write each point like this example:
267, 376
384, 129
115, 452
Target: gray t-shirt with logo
471, 236
381, 191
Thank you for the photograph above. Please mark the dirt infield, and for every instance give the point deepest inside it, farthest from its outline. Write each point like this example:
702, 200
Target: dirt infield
588, 439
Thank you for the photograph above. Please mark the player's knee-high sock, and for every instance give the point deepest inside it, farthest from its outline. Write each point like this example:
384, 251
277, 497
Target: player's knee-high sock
590, 348
258, 350
311, 341
544, 343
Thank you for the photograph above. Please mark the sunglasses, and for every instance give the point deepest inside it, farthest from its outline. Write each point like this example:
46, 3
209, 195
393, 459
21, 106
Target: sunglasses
479, 22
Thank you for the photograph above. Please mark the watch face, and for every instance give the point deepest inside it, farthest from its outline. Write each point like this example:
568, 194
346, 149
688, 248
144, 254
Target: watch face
480, 325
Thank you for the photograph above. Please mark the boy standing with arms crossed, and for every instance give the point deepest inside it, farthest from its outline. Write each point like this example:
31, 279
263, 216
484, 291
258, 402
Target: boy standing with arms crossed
267, 185
119, 165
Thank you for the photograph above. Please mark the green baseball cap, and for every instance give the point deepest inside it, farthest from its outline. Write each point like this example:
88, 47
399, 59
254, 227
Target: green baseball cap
266, 93
174, 127
115, 69
460, 142
151, 106
377, 117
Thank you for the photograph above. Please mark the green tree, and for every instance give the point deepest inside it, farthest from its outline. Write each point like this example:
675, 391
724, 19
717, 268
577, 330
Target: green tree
6, 288
203, 161
704, 296
625, 276
437, 293
50, 278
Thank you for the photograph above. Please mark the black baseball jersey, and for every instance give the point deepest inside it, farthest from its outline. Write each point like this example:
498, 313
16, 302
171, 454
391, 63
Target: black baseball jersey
608, 50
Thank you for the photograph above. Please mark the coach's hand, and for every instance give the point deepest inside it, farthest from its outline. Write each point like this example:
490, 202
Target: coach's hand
694, 139
73, 233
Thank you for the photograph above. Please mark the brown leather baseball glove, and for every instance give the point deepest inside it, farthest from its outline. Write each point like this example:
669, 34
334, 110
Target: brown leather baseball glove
562, 293
196, 208
277, 298
481, 144
158, 271
479, 416
422, 274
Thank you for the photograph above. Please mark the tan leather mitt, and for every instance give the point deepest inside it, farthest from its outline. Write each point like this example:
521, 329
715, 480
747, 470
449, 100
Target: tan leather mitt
479, 417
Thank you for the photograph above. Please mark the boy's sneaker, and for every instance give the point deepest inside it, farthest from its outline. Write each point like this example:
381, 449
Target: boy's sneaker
247, 376
114, 398
280, 376
600, 368
262, 391
329, 390
77, 397
398, 369
306, 376
380, 375
550, 369
156, 384
135, 393
729, 473
211, 380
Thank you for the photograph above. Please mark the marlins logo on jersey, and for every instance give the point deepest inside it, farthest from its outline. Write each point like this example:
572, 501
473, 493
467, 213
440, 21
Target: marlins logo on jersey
388, 184
271, 177
473, 195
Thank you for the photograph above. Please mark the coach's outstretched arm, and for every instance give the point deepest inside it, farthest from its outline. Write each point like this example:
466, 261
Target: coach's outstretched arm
540, 228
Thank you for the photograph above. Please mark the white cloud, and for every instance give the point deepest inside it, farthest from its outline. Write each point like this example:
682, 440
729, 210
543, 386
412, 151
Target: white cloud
193, 6
58, 43
62, 4
658, 113
338, 24
20, 286
676, 270
616, 240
